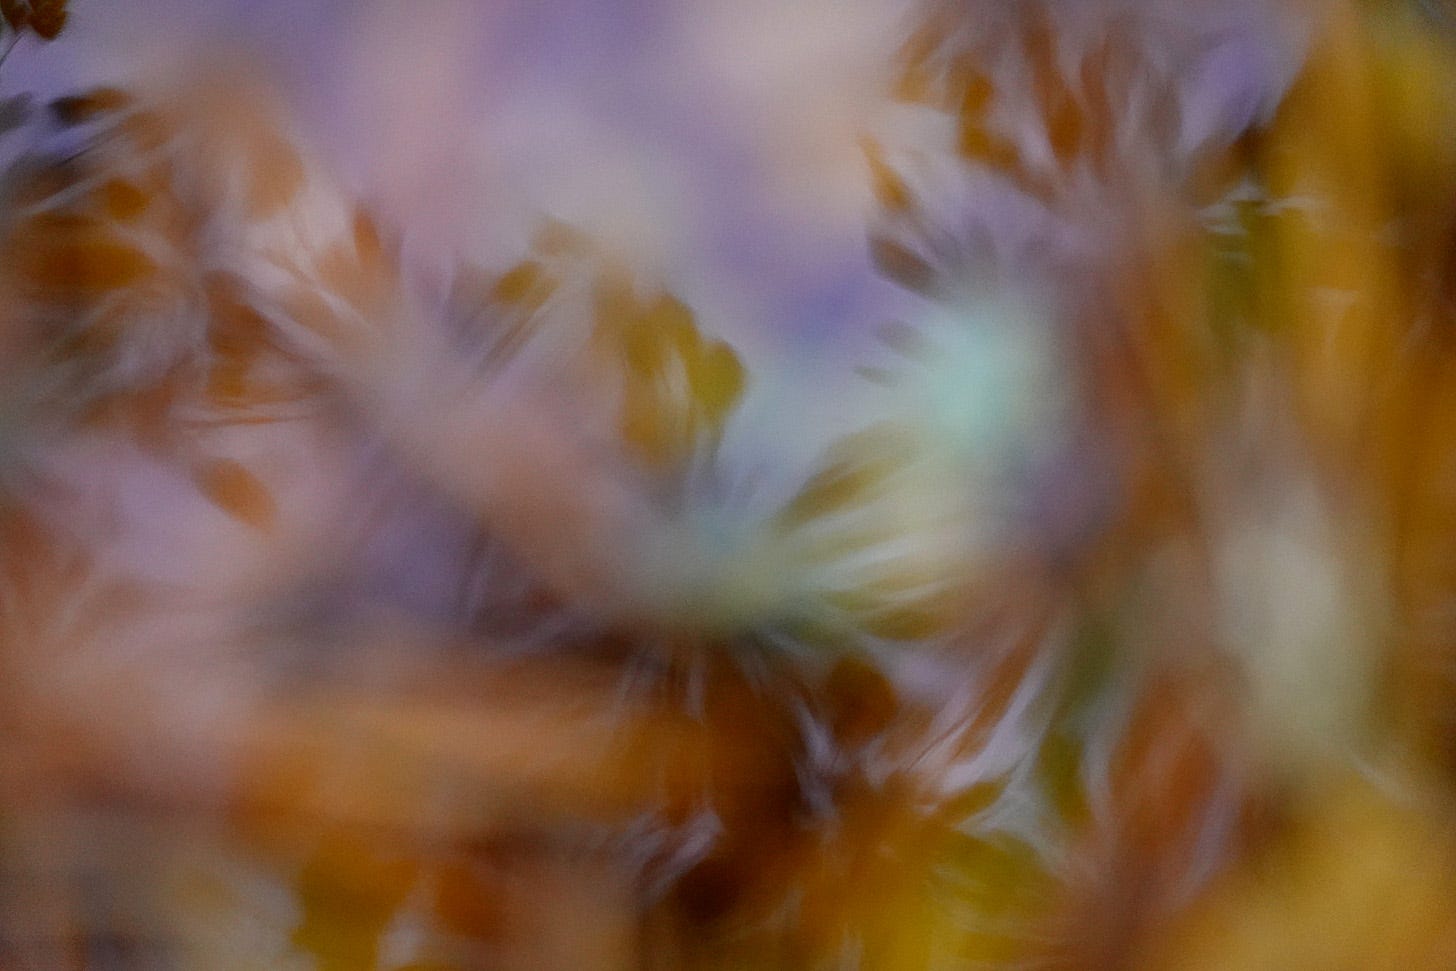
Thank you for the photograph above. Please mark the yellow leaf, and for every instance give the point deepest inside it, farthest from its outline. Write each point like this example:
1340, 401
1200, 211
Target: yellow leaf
717, 378
525, 285
854, 472
349, 891
678, 389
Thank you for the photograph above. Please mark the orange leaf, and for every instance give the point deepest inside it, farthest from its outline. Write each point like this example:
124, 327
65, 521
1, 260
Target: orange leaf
122, 201
238, 492
67, 258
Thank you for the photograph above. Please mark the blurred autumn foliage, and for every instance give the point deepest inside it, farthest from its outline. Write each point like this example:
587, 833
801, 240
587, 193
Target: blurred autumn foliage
354, 615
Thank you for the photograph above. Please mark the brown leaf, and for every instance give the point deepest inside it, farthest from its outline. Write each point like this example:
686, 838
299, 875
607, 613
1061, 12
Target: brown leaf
976, 91
903, 265
979, 144
121, 200
238, 492
47, 18
1060, 110
1101, 116
860, 701
76, 109
1064, 129
368, 240
525, 286
16, 13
